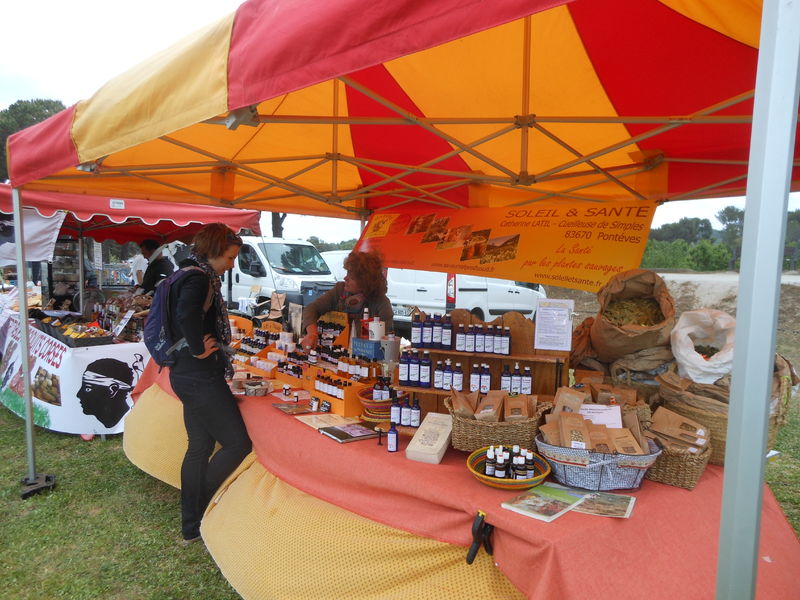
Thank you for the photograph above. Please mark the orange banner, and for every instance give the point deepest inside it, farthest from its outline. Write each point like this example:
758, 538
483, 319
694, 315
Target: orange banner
579, 246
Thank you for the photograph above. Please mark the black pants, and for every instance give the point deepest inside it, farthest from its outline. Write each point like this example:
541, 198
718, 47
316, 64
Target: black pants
210, 415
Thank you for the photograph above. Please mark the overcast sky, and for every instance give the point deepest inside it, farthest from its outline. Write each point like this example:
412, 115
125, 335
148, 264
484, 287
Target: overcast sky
66, 49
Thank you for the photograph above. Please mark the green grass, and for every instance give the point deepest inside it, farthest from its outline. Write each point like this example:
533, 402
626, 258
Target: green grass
108, 531
783, 474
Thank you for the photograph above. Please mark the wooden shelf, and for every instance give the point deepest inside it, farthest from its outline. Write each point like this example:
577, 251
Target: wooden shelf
485, 355
421, 390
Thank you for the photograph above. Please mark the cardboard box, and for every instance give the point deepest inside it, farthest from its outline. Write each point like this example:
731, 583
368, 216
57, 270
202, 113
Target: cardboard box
490, 407
515, 408
431, 440
574, 431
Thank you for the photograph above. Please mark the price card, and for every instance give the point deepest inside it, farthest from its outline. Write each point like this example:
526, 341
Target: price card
554, 325
122, 322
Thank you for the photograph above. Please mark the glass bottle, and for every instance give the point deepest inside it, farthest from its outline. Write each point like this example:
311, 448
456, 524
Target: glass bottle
447, 376
391, 438
394, 411
436, 335
505, 379
447, 333
405, 413
458, 378
427, 332
416, 413
416, 331
485, 383
488, 340
469, 340
516, 380
437, 376
475, 378
413, 369
480, 338
461, 339
402, 369
526, 385
490, 463
425, 370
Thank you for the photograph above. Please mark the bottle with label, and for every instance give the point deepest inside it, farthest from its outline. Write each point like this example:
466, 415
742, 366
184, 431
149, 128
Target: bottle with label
436, 335
530, 469
413, 369
437, 376
461, 339
469, 339
480, 338
500, 467
427, 332
488, 340
416, 331
314, 404
520, 470
365, 324
386, 392
405, 413
425, 370
377, 390
526, 385
447, 333
391, 438
394, 411
416, 413
447, 376
488, 468
458, 378
402, 369
485, 383
506, 343
505, 379
475, 378
516, 380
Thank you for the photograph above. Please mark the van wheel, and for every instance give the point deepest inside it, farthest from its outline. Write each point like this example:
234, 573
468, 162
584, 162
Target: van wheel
477, 313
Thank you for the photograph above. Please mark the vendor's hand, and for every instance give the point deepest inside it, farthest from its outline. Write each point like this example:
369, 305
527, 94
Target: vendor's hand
210, 344
310, 340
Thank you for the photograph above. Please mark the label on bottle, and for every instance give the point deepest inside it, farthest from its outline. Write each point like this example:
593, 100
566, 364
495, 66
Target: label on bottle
403, 373
427, 336
385, 394
447, 338
485, 383
527, 384
438, 379
458, 381
405, 415
391, 441
505, 383
489, 468
415, 414
515, 384
479, 341
461, 341
413, 372
416, 335
447, 380
504, 345
394, 414
469, 343
488, 343
474, 382
425, 375
437, 336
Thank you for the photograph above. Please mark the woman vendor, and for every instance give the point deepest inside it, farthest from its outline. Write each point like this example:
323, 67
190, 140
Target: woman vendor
364, 286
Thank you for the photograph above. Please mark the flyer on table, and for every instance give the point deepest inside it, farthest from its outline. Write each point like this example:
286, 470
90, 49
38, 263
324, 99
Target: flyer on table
579, 245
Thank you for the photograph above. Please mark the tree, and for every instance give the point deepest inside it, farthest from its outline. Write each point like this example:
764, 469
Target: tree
690, 229
18, 116
732, 220
707, 256
792, 247
666, 255
277, 224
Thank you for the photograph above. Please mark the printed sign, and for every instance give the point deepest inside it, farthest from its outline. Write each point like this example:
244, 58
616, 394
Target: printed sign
75, 390
577, 245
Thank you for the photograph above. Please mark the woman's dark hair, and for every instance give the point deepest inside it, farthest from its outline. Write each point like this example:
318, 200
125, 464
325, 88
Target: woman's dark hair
150, 245
213, 239
367, 269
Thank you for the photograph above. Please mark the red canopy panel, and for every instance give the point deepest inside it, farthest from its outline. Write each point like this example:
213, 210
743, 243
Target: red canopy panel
128, 220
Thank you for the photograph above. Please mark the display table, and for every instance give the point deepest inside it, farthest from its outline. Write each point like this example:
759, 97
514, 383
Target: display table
80, 390
666, 549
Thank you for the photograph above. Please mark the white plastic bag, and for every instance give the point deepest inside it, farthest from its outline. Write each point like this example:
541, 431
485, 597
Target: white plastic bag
707, 327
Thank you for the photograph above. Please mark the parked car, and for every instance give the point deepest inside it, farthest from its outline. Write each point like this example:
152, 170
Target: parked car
265, 265
433, 292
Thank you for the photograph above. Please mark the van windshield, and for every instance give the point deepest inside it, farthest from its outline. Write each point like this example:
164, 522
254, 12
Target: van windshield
295, 258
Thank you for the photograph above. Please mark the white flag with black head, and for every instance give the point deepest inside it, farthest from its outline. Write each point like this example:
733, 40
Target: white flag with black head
40, 234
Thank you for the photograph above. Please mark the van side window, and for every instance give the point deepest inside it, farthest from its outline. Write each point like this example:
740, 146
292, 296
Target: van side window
247, 257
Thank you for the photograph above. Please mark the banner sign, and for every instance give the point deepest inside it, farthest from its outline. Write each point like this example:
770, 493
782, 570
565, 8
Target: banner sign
579, 246
75, 390
40, 236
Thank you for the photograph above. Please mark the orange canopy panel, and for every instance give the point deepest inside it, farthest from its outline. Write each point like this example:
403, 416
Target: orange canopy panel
350, 107
129, 220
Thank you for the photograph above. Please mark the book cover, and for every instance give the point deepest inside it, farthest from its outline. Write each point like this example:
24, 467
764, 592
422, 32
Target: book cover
292, 408
325, 420
544, 502
351, 432
601, 504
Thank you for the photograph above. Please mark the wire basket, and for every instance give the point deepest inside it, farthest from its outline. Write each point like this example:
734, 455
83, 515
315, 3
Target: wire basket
597, 471
471, 434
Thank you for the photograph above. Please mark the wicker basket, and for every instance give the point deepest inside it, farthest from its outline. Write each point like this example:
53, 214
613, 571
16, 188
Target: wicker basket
680, 468
471, 434
597, 471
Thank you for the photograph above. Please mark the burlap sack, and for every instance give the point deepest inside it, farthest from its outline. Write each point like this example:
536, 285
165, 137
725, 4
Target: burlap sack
610, 341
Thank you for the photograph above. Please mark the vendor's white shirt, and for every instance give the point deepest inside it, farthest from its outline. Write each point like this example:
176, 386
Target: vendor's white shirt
139, 263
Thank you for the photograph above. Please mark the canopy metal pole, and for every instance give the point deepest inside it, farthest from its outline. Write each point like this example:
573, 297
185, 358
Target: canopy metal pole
771, 150
81, 271
32, 482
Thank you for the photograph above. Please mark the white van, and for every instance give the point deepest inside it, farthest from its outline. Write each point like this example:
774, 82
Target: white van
432, 292
266, 264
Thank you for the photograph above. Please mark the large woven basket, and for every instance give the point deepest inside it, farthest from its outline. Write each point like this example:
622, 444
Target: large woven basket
680, 468
471, 434
717, 423
597, 471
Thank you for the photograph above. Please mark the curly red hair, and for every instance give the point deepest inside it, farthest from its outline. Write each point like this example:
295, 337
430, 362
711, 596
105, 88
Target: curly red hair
367, 269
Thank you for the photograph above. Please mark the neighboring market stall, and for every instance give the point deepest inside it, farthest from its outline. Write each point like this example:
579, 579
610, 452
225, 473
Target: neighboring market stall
351, 109
70, 352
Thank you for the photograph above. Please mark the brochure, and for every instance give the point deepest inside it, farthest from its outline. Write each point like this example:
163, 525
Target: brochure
601, 504
325, 420
292, 408
349, 433
545, 502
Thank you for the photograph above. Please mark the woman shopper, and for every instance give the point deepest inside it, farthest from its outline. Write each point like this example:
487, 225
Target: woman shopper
364, 286
210, 413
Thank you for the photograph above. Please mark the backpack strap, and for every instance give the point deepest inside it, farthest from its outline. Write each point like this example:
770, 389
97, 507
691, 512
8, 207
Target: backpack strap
181, 343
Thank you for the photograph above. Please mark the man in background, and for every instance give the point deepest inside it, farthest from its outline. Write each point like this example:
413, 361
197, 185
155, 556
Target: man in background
159, 266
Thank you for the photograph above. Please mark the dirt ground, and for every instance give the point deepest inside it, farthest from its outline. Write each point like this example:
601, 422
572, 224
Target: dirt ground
711, 291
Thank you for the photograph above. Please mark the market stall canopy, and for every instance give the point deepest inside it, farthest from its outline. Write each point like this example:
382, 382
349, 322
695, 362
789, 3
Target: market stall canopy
125, 219
348, 107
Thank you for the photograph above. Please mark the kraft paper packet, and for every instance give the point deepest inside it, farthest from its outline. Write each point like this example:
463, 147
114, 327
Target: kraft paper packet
490, 407
516, 408
570, 400
533, 404
624, 441
462, 406
627, 395
631, 421
673, 425
574, 431
601, 440
597, 388
551, 433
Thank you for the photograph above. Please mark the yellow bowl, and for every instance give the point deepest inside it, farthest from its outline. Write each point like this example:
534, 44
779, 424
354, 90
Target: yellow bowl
476, 463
